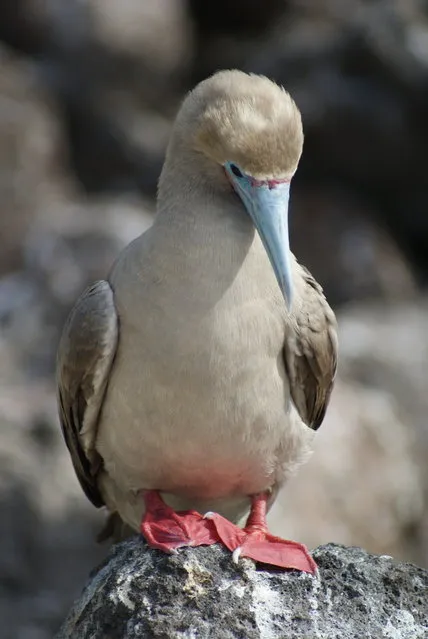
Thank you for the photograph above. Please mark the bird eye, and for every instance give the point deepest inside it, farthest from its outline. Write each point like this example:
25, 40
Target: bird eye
236, 171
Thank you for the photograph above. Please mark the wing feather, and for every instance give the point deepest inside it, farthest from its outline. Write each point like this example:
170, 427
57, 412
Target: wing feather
310, 353
85, 355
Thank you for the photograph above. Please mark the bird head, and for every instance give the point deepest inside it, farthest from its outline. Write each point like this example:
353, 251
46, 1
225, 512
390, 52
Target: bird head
251, 128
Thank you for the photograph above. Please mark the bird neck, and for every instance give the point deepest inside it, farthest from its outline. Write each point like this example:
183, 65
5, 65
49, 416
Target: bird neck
196, 199
201, 223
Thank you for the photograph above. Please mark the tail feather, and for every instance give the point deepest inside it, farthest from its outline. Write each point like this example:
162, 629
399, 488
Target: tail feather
114, 530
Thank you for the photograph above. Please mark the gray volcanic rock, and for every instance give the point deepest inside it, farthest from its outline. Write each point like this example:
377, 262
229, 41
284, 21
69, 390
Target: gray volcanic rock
200, 593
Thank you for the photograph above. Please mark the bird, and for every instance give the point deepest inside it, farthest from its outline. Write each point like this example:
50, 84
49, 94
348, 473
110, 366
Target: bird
191, 381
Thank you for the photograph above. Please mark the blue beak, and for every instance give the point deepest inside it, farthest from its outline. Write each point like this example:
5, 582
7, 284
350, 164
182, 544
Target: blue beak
267, 204
268, 208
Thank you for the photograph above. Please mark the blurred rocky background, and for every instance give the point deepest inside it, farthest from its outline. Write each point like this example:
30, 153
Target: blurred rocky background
88, 91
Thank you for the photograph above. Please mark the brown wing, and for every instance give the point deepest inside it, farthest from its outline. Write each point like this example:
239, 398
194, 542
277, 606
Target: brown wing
85, 355
310, 353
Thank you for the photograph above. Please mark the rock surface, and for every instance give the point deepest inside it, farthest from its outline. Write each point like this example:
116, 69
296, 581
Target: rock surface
201, 593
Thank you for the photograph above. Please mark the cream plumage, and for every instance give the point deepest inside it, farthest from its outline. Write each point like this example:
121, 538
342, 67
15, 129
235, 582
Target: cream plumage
185, 372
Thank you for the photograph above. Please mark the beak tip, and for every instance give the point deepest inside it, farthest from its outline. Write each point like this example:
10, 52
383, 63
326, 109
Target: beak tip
288, 302
287, 293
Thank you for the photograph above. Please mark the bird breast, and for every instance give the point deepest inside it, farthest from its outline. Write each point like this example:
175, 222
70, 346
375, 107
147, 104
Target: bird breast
198, 400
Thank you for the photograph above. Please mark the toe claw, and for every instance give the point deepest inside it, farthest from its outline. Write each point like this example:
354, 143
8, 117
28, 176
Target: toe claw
236, 555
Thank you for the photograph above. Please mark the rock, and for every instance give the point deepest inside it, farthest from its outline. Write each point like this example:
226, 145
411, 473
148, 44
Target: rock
47, 530
358, 71
28, 138
154, 30
368, 264
201, 593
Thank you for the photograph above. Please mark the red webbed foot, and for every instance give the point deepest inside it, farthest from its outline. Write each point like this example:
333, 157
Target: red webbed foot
167, 530
256, 542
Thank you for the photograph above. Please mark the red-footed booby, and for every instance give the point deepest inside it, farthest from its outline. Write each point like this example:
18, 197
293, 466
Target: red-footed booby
191, 380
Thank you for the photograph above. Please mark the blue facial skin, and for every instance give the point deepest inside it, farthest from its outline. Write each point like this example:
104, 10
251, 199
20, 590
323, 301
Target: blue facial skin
268, 209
